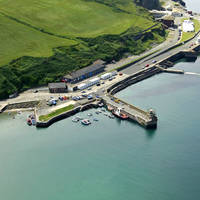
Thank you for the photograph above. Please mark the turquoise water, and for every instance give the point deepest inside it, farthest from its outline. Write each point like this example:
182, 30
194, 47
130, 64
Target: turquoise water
111, 159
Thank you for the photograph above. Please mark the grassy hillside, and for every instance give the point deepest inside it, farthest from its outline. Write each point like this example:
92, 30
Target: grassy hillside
43, 39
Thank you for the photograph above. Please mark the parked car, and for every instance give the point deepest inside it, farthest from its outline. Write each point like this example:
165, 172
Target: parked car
147, 65
83, 91
120, 73
89, 88
98, 84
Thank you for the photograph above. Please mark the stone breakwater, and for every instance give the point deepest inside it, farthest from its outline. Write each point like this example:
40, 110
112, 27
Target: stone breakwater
45, 124
20, 105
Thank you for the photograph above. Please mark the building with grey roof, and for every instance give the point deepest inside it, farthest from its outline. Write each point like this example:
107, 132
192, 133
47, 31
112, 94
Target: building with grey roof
87, 72
57, 87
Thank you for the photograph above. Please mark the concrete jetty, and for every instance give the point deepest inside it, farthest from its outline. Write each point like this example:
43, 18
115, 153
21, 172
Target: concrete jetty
3, 107
174, 71
146, 119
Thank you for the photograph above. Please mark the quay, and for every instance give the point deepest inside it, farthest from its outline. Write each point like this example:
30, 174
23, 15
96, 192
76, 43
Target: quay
174, 71
146, 119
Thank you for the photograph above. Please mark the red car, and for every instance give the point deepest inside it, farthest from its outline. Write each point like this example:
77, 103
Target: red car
147, 65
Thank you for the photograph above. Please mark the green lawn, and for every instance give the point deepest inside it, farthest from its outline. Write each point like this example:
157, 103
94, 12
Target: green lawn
188, 35
70, 18
55, 113
42, 40
75, 17
17, 40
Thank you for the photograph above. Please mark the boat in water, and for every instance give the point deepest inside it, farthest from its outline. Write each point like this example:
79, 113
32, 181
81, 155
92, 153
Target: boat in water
29, 121
75, 119
95, 119
110, 108
85, 122
111, 116
33, 122
79, 118
101, 104
89, 114
118, 114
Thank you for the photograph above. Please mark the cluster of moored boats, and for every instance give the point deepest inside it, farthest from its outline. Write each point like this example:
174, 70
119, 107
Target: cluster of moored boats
31, 120
112, 115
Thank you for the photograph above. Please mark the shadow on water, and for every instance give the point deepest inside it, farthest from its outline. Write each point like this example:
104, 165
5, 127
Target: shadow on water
150, 133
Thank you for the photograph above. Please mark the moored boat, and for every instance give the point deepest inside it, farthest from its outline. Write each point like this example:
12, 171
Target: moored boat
95, 119
75, 119
29, 121
118, 114
110, 108
85, 122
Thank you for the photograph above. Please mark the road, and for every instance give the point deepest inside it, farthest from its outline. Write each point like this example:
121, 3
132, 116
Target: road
140, 65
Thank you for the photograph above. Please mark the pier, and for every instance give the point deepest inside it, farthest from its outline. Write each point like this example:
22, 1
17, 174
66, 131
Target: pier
174, 71
146, 119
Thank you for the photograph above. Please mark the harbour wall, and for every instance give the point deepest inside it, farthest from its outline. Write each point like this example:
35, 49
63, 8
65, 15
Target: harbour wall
28, 104
67, 114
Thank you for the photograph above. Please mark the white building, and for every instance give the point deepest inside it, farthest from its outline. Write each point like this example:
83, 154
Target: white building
188, 26
82, 86
106, 76
93, 81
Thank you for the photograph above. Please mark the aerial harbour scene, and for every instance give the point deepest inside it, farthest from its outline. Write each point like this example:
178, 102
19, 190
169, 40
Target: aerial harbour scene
99, 99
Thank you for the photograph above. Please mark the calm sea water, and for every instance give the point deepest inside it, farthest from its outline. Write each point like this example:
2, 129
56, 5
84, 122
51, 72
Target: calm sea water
111, 159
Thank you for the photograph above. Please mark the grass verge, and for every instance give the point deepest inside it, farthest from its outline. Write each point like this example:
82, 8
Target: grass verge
55, 113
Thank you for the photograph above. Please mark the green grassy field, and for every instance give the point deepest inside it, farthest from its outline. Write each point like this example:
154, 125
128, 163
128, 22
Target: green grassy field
42, 40
55, 113
73, 18
188, 35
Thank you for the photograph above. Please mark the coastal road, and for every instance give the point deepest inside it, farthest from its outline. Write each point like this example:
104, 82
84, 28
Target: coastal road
140, 65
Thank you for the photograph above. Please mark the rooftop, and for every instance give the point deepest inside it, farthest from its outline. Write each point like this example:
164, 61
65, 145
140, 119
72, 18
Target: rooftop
57, 85
95, 66
168, 17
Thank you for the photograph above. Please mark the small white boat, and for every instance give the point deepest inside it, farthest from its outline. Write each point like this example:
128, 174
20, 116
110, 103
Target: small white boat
95, 119
111, 116
75, 119
85, 122
100, 104
89, 114
103, 109
79, 118
97, 112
